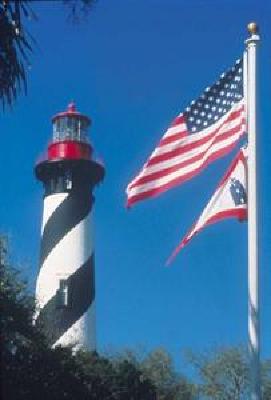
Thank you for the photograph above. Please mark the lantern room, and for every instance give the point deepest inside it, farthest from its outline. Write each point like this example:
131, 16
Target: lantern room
70, 135
70, 125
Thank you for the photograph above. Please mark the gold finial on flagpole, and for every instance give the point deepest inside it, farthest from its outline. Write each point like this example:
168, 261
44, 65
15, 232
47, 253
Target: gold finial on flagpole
253, 28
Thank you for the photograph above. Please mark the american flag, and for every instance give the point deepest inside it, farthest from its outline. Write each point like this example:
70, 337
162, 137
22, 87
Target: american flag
207, 129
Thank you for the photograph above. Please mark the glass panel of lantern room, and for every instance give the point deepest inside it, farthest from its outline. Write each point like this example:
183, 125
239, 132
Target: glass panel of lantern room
76, 122
66, 128
62, 128
56, 130
69, 128
83, 127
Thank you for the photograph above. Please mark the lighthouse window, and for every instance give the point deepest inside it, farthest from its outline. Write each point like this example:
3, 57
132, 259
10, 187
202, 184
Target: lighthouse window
68, 179
63, 294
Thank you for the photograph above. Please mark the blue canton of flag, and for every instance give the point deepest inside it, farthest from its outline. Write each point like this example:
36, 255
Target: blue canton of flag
238, 192
216, 100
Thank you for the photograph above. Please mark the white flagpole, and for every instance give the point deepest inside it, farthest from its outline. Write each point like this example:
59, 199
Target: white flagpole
253, 279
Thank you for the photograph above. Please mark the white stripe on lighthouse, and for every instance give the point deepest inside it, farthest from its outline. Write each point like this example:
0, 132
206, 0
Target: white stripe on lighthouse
50, 204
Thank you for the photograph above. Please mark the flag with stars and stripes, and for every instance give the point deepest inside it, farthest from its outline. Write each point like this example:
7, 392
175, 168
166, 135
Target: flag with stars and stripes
229, 200
208, 129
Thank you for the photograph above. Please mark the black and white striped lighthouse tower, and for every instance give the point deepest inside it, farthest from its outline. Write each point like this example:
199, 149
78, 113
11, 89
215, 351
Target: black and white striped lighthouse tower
65, 290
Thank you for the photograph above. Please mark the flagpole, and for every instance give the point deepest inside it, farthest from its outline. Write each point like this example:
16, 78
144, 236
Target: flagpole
253, 267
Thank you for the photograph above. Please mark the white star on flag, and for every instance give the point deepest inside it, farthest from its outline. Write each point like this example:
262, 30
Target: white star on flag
229, 200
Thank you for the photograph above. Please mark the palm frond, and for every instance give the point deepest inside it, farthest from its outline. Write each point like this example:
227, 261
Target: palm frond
15, 49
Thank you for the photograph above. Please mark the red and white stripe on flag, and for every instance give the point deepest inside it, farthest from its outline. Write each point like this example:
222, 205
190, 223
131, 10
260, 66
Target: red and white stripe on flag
229, 200
205, 131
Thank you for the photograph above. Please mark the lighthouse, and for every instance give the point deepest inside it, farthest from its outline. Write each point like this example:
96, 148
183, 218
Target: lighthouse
65, 288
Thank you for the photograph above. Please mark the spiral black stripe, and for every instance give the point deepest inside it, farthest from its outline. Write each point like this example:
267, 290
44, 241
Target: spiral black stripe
74, 208
56, 321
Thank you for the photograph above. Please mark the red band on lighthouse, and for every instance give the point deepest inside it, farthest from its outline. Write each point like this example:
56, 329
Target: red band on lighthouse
70, 150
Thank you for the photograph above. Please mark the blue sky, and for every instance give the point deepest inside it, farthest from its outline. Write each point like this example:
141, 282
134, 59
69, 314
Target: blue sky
132, 66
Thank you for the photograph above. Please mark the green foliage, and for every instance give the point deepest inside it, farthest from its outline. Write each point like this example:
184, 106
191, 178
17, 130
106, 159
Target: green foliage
16, 305
157, 367
32, 370
117, 379
266, 379
170, 385
224, 374
35, 371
